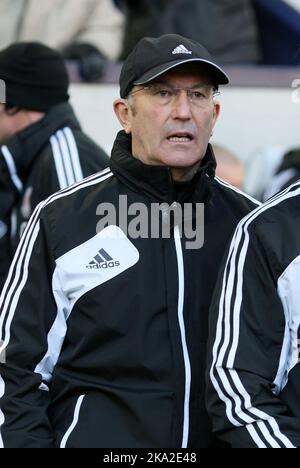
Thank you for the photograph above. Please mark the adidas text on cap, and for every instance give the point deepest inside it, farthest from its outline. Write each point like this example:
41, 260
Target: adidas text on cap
152, 57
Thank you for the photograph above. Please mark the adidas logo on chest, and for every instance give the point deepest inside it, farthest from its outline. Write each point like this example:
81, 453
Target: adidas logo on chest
102, 260
97, 261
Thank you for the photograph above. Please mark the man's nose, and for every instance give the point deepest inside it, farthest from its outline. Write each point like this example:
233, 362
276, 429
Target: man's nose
182, 106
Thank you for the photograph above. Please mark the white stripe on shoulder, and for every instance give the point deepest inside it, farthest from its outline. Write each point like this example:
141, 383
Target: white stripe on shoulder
94, 178
66, 157
12, 168
75, 160
238, 397
234, 189
59, 163
277, 183
280, 197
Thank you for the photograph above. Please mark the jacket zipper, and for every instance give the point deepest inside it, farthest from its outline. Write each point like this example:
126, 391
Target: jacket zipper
187, 364
74, 422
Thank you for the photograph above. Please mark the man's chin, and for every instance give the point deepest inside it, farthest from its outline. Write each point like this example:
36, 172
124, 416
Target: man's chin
183, 160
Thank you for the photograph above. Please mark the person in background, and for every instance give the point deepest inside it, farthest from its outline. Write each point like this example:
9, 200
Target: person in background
229, 166
227, 28
88, 31
286, 174
113, 353
42, 146
254, 340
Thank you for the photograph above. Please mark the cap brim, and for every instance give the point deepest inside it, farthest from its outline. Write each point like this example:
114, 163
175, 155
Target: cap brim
217, 73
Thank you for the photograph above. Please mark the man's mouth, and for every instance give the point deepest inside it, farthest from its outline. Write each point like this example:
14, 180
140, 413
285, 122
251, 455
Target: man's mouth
180, 138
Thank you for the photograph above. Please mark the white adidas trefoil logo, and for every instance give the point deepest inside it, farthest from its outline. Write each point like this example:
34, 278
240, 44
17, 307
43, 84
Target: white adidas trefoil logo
102, 261
181, 49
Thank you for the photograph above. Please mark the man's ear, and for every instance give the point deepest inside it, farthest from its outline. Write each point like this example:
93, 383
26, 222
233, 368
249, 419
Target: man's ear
123, 113
217, 110
12, 110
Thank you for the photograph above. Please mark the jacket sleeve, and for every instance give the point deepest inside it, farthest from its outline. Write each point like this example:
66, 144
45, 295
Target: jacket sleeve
69, 158
5, 257
10, 184
28, 312
10, 189
246, 349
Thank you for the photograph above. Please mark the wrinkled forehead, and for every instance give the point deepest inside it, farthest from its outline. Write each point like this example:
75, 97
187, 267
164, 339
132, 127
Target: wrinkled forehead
188, 73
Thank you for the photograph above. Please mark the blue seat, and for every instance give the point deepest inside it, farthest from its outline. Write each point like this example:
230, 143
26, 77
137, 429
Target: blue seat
279, 26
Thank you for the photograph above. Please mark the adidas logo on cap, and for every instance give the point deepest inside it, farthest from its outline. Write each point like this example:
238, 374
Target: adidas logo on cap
181, 49
102, 261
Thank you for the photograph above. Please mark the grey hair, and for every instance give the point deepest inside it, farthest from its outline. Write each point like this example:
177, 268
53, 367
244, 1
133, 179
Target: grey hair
129, 99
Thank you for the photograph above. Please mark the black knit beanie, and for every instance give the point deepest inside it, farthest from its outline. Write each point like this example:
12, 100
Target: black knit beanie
35, 76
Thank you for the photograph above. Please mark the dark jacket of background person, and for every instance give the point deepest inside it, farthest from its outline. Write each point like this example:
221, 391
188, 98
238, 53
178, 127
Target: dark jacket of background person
41, 159
227, 28
43, 148
96, 363
254, 368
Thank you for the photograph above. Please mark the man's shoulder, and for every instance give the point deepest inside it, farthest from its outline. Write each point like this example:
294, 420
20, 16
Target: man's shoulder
69, 217
237, 197
70, 156
86, 144
70, 140
273, 228
73, 196
281, 210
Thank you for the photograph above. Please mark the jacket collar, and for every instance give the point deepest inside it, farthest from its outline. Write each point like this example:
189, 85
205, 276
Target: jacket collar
156, 181
26, 145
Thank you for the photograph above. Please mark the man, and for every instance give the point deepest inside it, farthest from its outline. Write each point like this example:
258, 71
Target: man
253, 394
112, 353
286, 174
42, 147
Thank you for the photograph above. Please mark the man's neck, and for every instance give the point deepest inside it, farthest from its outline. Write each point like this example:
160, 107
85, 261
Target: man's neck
24, 119
184, 174
32, 117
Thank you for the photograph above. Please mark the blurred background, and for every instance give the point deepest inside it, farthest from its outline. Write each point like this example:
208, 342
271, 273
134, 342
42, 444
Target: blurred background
257, 138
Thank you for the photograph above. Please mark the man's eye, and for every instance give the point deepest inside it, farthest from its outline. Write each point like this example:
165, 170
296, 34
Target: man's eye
164, 93
198, 95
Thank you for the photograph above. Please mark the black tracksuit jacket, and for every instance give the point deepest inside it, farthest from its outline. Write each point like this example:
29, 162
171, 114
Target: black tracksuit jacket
45, 157
105, 334
254, 372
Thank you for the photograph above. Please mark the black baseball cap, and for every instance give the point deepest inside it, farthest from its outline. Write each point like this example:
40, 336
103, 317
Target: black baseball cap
152, 57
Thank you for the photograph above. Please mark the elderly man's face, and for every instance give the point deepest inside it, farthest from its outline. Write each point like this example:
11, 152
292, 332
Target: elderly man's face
175, 133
